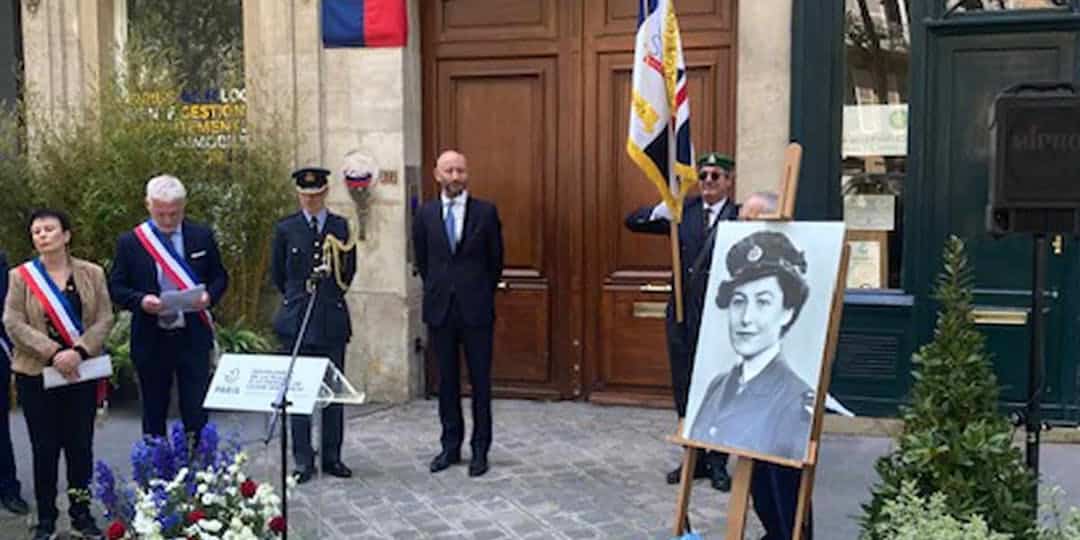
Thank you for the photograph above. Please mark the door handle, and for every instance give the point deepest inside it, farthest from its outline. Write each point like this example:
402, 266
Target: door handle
1058, 243
651, 288
1000, 316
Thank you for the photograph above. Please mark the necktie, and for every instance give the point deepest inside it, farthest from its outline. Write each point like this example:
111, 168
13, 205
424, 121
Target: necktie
709, 211
451, 227
314, 226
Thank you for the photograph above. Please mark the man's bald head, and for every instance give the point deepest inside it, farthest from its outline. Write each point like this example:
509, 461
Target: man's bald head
451, 172
759, 203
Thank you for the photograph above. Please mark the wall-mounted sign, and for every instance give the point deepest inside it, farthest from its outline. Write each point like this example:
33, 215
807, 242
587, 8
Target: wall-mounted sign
875, 130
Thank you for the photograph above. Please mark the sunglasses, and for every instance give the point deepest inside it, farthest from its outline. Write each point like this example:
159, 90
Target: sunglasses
712, 175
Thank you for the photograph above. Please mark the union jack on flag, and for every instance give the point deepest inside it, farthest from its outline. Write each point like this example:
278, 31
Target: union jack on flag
659, 138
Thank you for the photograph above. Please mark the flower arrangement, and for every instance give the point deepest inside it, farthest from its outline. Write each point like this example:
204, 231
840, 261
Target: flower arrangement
187, 489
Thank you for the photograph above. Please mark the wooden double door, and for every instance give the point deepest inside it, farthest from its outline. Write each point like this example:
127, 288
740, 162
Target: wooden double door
536, 94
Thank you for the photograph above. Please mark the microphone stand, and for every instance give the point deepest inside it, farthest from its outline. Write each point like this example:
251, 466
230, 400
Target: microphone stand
282, 403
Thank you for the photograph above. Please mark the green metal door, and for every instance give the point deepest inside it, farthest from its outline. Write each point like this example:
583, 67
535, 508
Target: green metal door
960, 64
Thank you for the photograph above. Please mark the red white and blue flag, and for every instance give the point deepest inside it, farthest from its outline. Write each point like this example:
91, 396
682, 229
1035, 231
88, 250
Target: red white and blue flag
172, 264
364, 23
659, 138
56, 306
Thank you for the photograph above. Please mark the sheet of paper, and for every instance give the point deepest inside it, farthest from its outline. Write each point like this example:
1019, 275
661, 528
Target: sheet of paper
176, 301
89, 369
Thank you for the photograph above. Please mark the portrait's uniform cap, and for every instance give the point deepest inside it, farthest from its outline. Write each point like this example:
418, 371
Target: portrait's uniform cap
311, 180
763, 254
716, 159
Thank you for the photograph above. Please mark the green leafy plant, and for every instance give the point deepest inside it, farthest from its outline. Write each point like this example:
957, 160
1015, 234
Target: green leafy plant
1061, 524
954, 441
239, 338
118, 343
912, 517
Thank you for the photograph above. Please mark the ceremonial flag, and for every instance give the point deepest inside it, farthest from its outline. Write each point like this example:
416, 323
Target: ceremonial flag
659, 138
364, 23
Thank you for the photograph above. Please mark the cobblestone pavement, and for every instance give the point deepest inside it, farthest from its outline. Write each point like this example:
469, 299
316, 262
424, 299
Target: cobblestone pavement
558, 471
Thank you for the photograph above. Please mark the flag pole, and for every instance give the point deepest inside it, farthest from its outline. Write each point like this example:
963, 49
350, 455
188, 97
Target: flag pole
676, 269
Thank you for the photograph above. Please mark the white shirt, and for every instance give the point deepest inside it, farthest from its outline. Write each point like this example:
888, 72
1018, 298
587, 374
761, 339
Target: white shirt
459, 212
752, 366
661, 211
713, 210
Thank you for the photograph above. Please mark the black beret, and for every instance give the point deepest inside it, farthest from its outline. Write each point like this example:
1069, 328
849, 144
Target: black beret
763, 254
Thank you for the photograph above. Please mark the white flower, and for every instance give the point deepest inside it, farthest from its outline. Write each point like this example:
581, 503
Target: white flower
202, 489
211, 525
208, 499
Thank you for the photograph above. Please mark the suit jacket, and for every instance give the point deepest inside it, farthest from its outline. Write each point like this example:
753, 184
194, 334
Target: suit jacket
134, 275
471, 273
24, 318
695, 254
292, 261
770, 416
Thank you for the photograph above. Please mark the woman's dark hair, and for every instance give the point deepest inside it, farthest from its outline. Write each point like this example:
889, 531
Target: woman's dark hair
44, 213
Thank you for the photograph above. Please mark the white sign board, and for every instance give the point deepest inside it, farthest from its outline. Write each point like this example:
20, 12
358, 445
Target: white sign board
870, 212
251, 382
875, 130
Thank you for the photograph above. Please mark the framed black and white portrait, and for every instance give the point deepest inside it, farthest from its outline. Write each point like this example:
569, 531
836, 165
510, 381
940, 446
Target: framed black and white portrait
764, 327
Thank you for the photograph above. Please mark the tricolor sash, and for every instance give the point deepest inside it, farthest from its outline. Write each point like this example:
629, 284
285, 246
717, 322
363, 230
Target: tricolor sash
172, 265
56, 305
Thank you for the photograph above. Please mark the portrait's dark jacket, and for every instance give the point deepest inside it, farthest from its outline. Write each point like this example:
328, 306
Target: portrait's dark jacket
771, 415
292, 261
134, 275
471, 273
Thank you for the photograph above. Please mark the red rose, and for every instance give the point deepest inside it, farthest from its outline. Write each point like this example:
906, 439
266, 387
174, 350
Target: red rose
247, 489
195, 515
116, 531
277, 524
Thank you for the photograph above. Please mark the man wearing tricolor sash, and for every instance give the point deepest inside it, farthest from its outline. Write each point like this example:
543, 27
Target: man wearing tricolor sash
169, 253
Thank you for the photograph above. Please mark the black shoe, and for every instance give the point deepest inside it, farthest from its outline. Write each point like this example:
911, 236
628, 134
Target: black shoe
337, 469
719, 478
44, 531
303, 475
701, 470
478, 466
83, 526
14, 504
444, 460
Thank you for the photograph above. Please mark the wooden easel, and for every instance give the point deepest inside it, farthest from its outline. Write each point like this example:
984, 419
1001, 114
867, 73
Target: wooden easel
739, 501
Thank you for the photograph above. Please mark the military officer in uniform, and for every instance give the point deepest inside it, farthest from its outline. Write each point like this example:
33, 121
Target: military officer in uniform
298, 269
760, 404
716, 173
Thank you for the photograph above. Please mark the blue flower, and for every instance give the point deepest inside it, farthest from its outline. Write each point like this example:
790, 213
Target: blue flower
208, 445
105, 488
179, 440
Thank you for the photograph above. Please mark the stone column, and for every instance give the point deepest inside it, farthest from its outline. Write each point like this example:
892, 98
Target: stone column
335, 101
70, 51
763, 93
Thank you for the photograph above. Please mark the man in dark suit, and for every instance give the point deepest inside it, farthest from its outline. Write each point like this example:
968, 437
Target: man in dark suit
297, 267
716, 173
10, 498
459, 256
157, 257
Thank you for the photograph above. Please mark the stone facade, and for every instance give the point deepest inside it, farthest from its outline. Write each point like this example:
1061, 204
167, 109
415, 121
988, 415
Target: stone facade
335, 101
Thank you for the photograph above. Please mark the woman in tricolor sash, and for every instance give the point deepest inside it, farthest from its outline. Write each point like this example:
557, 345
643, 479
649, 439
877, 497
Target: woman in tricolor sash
57, 313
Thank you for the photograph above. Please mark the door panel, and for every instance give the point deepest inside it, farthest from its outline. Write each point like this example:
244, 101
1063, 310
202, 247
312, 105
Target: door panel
968, 71
534, 93
510, 169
